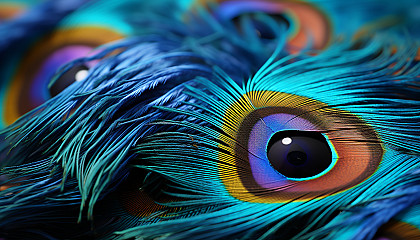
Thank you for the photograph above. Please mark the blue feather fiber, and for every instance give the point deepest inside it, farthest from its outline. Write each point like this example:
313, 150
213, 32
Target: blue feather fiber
154, 103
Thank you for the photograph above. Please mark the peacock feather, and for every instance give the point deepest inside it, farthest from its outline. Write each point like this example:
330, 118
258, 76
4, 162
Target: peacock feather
210, 120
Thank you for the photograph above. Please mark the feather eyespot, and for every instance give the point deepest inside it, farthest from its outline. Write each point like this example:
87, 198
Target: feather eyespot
50, 66
29, 85
307, 24
263, 30
344, 138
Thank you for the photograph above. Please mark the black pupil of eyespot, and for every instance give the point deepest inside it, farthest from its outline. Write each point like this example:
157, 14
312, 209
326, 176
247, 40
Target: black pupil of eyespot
66, 79
297, 158
263, 30
299, 154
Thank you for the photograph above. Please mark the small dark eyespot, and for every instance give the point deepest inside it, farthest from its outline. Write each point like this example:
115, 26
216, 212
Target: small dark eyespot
299, 154
263, 30
76, 73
